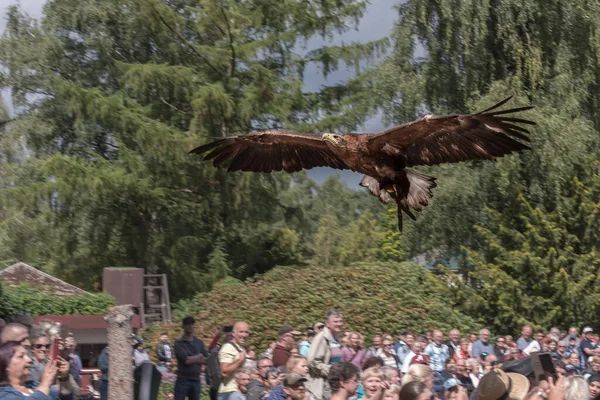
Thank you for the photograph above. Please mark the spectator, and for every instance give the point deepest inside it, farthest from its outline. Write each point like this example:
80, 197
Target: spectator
536, 344
24, 319
420, 373
462, 374
415, 391
14, 372
573, 345
574, 332
475, 371
588, 346
294, 387
257, 387
191, 354
453, 342
40, 350
498, 384
573, 360
472, 339
594, 367
297, 364
392, 375
15, 332
373, 362
139, 354
305, 345
343, 380
401, 344
576, 388
212, 367
417, 349
354, 351
372, 352
437, 352
501, 350
324, 352
285, 342
242, 379
554, 334
232, 356
372, 379
463, 352
402, 352
103, 367
594, 386
482, 345
318, 327
164, 353
387, 354
561, 348
525, 338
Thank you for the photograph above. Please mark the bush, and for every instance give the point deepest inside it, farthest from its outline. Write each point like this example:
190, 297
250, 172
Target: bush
34, 300
374, 298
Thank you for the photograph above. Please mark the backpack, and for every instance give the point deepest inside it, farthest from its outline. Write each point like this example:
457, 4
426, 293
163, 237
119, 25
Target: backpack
213, 369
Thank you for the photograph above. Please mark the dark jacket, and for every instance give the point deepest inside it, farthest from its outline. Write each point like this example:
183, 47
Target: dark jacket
255, 390
161, 353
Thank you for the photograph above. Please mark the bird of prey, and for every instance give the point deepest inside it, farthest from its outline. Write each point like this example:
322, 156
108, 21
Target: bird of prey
383, 157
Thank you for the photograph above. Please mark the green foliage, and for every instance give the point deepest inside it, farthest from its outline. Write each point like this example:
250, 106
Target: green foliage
373, 297
36, 301
111, 99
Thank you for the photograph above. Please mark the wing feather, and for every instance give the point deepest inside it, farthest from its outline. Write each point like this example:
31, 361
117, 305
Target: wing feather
434, 140
271, 151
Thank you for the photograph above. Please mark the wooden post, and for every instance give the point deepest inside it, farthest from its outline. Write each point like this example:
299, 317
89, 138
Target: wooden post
120, 352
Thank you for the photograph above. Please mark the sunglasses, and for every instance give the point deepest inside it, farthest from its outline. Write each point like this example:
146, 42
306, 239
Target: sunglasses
40, 346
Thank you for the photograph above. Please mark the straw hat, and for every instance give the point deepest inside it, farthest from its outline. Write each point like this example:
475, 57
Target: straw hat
498, 384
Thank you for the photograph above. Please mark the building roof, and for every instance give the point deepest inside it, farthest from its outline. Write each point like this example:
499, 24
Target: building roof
84, 321
22, 273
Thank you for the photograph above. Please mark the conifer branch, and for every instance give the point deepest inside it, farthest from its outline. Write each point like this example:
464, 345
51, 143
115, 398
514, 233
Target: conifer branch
230, 37
180, 36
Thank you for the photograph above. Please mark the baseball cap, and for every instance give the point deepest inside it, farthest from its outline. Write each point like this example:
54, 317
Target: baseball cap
588, 329
450, 383
293, 379
570, 367
318, 325
310, 333
287, 329
420, 359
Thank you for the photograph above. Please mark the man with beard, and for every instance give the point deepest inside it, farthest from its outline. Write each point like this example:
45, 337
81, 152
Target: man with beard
324, 352
343, 380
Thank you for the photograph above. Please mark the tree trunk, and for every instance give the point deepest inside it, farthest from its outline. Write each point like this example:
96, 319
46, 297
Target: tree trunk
120, 370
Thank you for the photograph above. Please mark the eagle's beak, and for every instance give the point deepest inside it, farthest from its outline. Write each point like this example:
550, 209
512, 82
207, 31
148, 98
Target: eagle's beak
328, 137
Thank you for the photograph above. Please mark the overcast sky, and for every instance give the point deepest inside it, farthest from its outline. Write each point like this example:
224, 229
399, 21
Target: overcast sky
378, 22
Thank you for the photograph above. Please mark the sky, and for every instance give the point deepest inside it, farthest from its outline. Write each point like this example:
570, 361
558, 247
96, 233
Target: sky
377, 23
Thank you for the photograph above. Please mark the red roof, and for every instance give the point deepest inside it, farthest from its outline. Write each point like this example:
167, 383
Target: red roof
84, 321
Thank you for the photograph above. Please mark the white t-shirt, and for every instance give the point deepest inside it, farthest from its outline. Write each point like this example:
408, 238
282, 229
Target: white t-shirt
532, 347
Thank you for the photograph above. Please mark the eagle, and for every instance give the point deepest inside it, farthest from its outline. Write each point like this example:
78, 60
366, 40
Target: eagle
383, 158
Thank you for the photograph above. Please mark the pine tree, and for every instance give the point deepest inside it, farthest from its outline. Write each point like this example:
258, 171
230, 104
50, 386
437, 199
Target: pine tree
110, 98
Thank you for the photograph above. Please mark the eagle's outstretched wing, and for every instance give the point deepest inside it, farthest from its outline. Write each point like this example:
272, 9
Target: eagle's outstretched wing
271, 151
434, 140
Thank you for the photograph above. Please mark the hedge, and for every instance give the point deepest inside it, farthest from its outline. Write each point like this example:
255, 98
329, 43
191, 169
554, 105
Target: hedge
24, 298
374, 298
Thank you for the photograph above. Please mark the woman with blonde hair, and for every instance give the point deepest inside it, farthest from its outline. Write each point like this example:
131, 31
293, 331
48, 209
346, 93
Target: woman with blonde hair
373, 381
419, 373
354, 350
298, 364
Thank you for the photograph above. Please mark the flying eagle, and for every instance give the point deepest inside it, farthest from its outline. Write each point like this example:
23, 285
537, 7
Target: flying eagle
383, 157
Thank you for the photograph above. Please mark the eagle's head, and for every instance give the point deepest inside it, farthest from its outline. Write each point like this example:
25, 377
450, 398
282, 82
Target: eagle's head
335, 139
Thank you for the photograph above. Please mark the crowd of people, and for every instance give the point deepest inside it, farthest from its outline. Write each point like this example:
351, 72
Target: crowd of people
321, 363
328, 362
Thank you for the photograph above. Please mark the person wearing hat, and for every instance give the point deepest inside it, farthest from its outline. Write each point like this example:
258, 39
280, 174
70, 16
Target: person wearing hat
497, 384
453, 390
285, 343
305, 345
588, 346
191, 354
294, 386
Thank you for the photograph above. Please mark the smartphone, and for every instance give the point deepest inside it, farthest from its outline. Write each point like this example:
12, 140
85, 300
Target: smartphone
543, 366
54, 352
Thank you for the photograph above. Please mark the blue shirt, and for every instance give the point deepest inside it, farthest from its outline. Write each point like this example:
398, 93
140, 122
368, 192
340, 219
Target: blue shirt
480, 347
